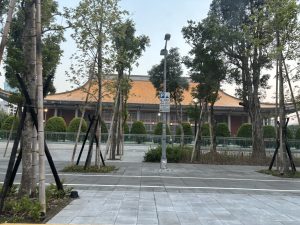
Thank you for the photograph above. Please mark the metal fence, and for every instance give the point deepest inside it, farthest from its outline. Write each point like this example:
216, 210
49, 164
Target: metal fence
223, 143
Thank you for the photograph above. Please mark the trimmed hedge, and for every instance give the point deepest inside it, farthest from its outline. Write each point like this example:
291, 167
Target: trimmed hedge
158, 129
188, 133
222, 130
205, 130
7, 123
139, 128
187, 129
74, 125
269, 131
56, 124
245, 130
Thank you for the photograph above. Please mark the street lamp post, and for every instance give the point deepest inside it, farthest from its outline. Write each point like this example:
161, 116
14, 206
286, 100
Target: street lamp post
163, 161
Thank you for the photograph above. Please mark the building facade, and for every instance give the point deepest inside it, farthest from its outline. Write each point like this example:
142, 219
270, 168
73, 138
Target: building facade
143, 105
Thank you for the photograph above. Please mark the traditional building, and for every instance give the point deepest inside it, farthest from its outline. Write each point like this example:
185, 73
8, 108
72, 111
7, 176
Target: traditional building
143, 104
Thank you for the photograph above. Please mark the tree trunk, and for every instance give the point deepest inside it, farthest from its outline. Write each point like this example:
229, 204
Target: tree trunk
30, 81
212, 131
197, 146
283, 165
40, 103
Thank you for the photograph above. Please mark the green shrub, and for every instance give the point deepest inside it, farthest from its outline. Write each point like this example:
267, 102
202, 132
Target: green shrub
269, 131
174, 154
3, 116
245, 130
126, 129
7, 123
289, 133
74, 125
158, 129
188, 133
297, 134
187, 129
56, 124
139, 128
205, 130
222, 130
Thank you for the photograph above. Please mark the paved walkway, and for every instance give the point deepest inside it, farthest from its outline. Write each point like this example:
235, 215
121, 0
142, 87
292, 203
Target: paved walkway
185, 194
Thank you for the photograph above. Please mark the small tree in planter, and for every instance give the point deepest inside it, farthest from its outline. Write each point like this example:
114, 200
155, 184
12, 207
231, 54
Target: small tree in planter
139, 128
188, 133
56, 124
205, 130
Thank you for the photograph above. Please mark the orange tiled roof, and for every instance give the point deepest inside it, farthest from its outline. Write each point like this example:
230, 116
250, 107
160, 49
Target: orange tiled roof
142, 92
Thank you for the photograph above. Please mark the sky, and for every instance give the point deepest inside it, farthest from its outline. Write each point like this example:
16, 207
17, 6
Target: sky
153, 18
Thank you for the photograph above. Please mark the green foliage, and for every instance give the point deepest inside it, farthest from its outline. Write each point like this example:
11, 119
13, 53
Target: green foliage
158, 129
7, 123
187, 129
103, 128
245, 130
222, 130
74, 125
14, 62
53, 192
289, 133
56, 124
126, 129
205, 130
90, 169
176, 84
174, 154
23, 209
3, 116
297, 135
269, 131
138, 127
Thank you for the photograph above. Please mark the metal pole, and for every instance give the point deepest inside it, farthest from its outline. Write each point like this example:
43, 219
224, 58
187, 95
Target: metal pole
163, 162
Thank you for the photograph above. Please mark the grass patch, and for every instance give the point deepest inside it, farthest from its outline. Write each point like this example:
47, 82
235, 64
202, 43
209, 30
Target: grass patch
90, 169
27, 209
276, 173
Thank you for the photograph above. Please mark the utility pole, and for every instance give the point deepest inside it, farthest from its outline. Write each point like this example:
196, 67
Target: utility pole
163, 161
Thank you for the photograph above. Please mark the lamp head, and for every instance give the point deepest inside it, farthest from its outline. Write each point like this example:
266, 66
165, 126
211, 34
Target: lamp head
167, 37
164, 52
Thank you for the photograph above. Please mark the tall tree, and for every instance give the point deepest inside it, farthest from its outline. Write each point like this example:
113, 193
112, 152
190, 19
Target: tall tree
206, 64
245, 43
21, 59
284, 25
128, 49
93, 22
52, 36
176, 84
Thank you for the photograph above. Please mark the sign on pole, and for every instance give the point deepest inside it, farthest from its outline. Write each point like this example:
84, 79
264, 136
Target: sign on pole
164, 105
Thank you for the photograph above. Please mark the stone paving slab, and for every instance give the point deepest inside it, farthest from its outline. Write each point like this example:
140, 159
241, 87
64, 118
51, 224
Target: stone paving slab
130, 207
